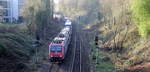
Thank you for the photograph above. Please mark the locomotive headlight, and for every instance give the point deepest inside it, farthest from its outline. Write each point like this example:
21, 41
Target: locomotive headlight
61, 56
51, 55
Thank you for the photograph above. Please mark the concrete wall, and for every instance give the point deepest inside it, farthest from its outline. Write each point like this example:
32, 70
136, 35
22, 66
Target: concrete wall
15, 11
12, 10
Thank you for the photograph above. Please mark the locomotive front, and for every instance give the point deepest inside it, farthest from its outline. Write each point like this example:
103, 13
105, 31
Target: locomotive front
56, 53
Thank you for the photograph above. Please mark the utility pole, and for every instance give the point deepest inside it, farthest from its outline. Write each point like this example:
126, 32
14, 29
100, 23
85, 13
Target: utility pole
52, 7
76, 4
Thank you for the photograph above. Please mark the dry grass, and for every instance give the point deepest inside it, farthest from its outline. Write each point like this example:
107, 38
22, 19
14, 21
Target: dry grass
124, 35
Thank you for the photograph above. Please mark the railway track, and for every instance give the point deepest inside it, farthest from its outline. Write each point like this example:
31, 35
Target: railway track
77, 58
86, 51
81, 42
54, 68
81, 58
68, 63
73, 59
75, 62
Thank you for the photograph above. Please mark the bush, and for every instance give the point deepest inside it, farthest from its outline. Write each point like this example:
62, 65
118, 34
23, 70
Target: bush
141, 14
15, 52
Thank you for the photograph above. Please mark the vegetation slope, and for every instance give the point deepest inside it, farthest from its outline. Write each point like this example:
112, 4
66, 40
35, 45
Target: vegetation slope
122, 27
24, 46
125, 33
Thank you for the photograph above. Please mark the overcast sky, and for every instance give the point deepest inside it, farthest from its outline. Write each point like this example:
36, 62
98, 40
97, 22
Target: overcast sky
56, 1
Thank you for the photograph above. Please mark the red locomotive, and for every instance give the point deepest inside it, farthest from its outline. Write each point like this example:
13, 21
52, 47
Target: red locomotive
59, 46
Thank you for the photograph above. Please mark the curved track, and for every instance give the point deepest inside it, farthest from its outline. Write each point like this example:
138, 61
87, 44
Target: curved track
77, 56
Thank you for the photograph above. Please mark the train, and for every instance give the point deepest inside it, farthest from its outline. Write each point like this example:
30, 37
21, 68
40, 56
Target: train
59, 46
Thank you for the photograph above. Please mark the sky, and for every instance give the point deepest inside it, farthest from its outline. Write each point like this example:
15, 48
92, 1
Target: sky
56, 1
56, 5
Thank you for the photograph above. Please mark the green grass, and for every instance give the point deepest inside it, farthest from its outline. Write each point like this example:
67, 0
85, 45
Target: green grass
16, 42
141, 15
100, 62
16, 49
104, 66
8, 24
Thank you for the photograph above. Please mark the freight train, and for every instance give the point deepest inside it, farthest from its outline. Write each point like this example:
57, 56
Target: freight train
59, 46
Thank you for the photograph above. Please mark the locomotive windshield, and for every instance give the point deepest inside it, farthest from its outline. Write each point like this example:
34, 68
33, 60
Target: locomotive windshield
56, 49
61, 35
57, 41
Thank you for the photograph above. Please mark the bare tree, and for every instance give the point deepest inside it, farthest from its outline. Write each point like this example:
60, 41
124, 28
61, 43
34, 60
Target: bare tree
38, 15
